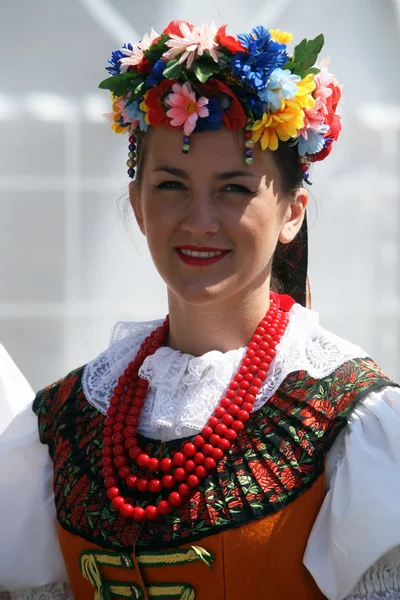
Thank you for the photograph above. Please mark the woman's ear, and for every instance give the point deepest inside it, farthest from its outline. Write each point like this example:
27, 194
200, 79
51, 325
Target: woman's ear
134, 198
294, 217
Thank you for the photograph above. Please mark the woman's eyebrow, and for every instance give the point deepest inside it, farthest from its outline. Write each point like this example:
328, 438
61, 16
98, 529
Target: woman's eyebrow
181, 173
236, 173
173, 171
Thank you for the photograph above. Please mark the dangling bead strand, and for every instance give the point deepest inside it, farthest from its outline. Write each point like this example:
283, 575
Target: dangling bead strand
248, 144
305, 174
131, 162
186, 144
184, 471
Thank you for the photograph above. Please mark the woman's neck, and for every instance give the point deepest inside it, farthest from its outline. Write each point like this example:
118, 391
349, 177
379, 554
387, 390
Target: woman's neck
197, 329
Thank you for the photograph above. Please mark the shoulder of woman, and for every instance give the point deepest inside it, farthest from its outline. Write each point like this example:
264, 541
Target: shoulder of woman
359, 521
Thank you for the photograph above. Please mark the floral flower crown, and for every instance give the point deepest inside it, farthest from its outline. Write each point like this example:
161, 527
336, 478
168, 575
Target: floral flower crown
201, 78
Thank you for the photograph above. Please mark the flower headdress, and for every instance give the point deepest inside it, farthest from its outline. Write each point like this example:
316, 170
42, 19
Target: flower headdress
201, 78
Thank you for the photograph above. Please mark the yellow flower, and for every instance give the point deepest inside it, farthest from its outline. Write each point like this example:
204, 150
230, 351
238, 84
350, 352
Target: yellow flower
116, 127
117, 106
281, 125
305, 88
143, 106
282, 37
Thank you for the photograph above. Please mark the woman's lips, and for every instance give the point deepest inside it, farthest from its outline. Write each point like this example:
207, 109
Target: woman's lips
199, 261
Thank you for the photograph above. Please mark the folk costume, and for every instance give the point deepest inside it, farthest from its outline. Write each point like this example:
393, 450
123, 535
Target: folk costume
265, 472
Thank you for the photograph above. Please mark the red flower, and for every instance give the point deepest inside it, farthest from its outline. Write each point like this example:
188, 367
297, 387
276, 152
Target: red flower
233, 117
292, 453
154, 99
266, 479
305, 444
331, 119
318, 414
344, 402
306, 467
228, 41
289, 479
127, 534
63, 392
144, 66
174, 28
285, 404
79, 491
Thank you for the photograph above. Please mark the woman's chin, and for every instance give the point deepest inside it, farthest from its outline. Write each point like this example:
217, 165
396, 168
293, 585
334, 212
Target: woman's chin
201, 294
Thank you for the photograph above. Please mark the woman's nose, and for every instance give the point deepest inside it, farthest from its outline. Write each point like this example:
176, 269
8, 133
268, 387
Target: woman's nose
201, 217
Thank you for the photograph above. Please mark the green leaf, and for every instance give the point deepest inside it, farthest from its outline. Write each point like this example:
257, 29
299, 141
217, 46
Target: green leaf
313, 70
173, 70
122, 81
204, 70
306, 54
137, 92
155, 52
289, 65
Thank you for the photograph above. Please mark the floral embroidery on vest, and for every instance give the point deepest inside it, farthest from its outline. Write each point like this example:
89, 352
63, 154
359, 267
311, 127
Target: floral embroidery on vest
276, 458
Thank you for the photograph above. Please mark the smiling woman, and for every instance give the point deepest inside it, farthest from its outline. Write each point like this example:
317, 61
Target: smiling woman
208, 199
236, 432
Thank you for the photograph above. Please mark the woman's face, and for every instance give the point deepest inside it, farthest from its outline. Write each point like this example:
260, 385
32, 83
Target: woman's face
209, 199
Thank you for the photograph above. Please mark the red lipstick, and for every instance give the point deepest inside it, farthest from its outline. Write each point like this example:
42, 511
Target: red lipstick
199, 261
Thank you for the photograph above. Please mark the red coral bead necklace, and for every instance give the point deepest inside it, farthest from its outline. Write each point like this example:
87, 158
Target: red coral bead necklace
184, 471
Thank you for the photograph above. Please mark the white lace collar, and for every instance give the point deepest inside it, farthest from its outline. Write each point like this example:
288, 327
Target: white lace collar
184, 390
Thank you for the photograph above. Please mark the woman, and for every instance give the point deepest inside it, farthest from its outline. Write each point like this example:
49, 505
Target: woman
234, 449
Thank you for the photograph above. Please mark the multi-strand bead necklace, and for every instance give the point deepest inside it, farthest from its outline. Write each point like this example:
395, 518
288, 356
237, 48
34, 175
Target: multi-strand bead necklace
184, 471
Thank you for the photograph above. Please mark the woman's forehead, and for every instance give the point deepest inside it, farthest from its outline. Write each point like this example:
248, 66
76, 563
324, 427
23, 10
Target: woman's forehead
216, 152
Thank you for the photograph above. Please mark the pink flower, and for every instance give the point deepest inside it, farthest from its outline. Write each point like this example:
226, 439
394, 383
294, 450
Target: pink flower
135, 56
327, 95
193, 43
185, 109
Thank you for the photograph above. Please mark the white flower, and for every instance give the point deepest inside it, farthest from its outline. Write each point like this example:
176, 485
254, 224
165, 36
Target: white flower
135, 56
193, 43
281, 84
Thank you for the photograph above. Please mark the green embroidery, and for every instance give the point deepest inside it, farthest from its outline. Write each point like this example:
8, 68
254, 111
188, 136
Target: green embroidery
126, 590
176, 557
91, 561
183, 591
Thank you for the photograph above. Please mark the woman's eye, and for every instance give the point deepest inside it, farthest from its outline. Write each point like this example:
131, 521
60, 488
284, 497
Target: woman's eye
170, 185
236, 188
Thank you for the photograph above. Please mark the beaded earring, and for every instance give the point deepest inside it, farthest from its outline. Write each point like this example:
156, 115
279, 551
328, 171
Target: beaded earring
131, 162
186, 144
248, 144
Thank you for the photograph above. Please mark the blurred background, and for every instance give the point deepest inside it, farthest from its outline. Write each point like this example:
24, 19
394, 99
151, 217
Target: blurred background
70, 264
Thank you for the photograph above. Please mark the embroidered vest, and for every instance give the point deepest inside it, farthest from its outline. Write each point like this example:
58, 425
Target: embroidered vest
250, 519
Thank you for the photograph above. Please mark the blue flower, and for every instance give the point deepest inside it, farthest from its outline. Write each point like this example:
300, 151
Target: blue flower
133, 113
281, 84
156, 74
115, 58
253, 102
314, 142
214, 120
264, 56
